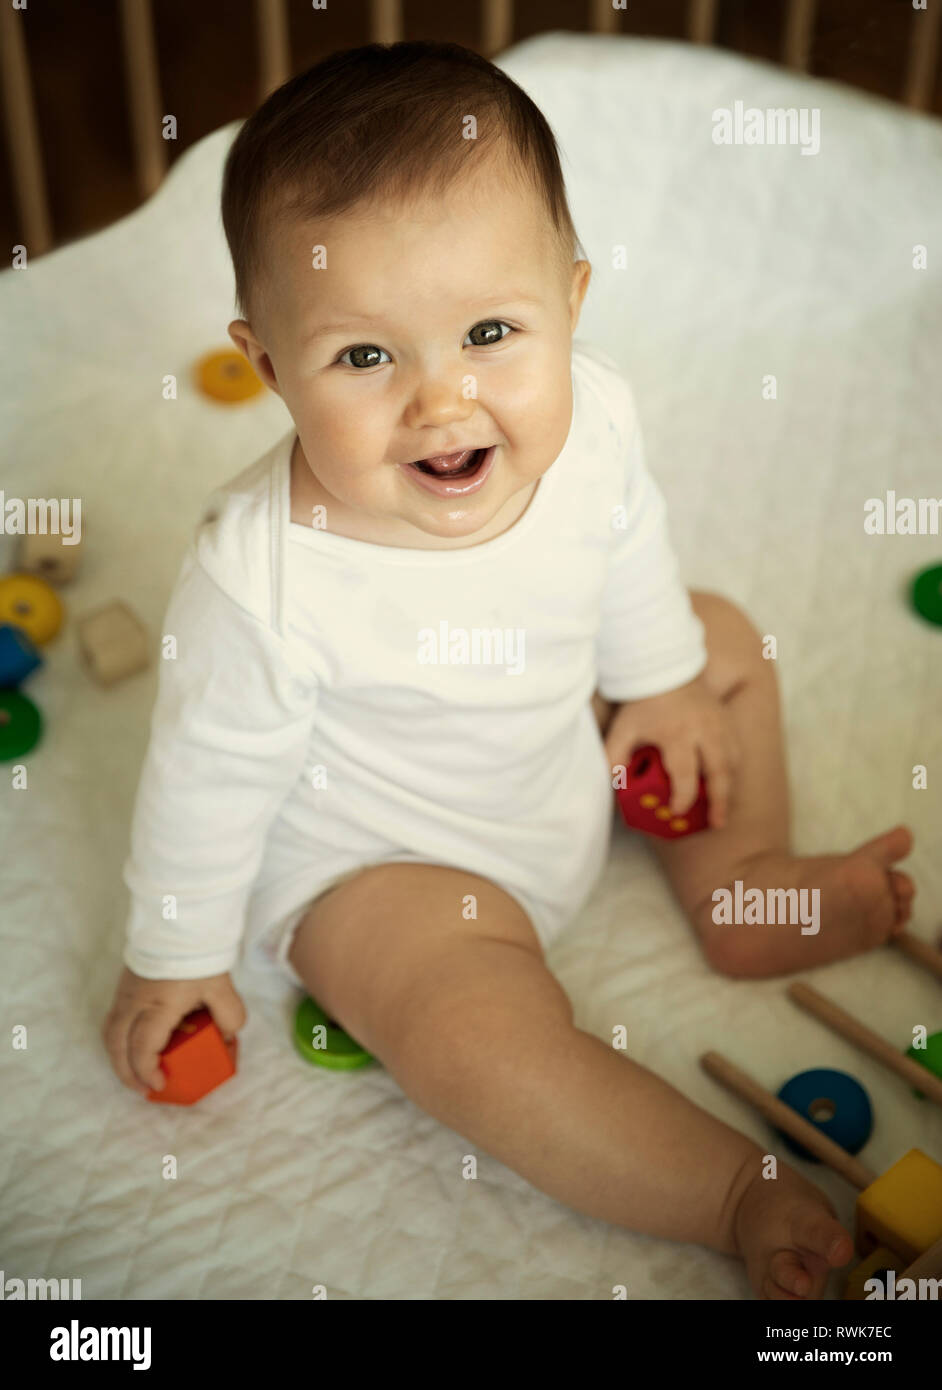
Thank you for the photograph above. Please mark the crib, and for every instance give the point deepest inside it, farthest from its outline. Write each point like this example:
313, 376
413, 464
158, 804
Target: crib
385, 23
715, 267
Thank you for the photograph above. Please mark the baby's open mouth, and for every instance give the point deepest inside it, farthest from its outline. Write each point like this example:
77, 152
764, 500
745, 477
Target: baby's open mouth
459, 465
453, 476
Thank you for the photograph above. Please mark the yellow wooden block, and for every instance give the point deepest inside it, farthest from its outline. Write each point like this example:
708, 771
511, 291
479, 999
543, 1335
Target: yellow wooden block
881, 1258
902, 1209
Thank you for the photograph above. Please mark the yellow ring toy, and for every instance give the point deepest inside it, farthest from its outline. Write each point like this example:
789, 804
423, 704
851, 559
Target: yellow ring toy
30, 604
226, 376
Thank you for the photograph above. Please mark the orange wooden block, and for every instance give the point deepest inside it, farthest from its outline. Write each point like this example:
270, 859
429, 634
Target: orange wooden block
195, 1061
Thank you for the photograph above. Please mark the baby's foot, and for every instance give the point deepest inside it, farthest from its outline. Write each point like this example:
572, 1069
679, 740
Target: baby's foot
863, 903
789, 1236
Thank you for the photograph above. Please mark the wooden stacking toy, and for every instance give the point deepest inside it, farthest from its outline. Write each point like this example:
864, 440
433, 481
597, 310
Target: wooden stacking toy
898, 1213
926, 594
30, 615
929, 957
18, 656
919, 1075
32, 605
644, 801
113, 643
228, 377
321, 1040
48, 557
835, 1103
195, 1061
21, 725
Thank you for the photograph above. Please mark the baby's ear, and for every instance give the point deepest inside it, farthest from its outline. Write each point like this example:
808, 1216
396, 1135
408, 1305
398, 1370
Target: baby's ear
581, 274
240, 331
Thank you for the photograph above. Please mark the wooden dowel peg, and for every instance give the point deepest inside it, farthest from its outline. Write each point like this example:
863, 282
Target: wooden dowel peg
928, 1265
840, 1021
920, 951
783, 1117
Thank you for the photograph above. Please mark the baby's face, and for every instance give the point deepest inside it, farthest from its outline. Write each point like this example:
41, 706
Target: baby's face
436, 328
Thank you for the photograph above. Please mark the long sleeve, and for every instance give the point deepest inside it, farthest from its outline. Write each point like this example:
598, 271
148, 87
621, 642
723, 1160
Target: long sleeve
229, 735
650, 640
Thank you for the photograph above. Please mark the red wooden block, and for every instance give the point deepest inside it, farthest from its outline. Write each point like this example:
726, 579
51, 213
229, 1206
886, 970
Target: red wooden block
644, 801
195, 1061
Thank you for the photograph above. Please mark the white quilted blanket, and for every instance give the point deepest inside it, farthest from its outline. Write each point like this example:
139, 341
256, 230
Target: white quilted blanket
742, 261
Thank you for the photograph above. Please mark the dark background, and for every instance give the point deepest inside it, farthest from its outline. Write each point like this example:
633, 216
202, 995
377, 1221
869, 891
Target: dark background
206, 51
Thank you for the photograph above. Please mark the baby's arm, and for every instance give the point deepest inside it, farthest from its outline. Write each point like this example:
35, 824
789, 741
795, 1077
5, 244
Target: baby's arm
651, 651
649, 638
229, 736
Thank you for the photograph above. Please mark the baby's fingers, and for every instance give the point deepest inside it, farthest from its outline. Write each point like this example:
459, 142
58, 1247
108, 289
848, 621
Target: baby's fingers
682, 767
227, 1008
115, 1036
717, 770
148, 1036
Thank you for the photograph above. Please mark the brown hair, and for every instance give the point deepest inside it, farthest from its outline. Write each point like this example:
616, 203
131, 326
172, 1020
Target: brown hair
378, 121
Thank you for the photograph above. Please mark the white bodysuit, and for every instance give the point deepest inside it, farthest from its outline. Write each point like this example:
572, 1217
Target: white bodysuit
333, 703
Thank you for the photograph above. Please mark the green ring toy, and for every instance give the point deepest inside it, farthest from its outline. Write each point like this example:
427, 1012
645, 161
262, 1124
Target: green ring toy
927, 594
20, 725
339, 1053
929, 1057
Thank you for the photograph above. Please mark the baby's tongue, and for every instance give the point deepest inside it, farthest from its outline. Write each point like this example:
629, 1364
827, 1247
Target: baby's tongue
448, 463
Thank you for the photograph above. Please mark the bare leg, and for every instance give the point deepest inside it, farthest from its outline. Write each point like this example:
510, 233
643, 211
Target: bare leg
475, 1029
862, 899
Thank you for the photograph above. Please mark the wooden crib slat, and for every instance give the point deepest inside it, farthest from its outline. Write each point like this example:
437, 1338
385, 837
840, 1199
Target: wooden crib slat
701, 21
923, 55
799, 31
386, 21
274, 62
604, 17
143, 81
26, 162
497, 26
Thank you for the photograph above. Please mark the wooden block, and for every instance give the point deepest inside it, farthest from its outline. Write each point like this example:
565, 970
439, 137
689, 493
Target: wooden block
644, 801
47, 557
195, 1061
902, 1209
113, 643
880, 1258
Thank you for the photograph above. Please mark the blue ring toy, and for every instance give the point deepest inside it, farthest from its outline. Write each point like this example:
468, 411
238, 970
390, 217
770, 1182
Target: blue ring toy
851, 1122
18, 657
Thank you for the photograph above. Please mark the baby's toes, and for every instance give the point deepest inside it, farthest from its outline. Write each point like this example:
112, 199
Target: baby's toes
820, 1238
787, 1277
818, 1243
884, 901
903, 890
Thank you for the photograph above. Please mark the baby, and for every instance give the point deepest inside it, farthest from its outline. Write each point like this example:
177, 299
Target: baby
416, 641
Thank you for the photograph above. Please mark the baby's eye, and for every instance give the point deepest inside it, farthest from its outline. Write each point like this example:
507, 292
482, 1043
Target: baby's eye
369, 355
490, 329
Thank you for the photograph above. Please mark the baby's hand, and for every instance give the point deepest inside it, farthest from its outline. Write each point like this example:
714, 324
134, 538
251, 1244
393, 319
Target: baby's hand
145, 1013
692, 728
